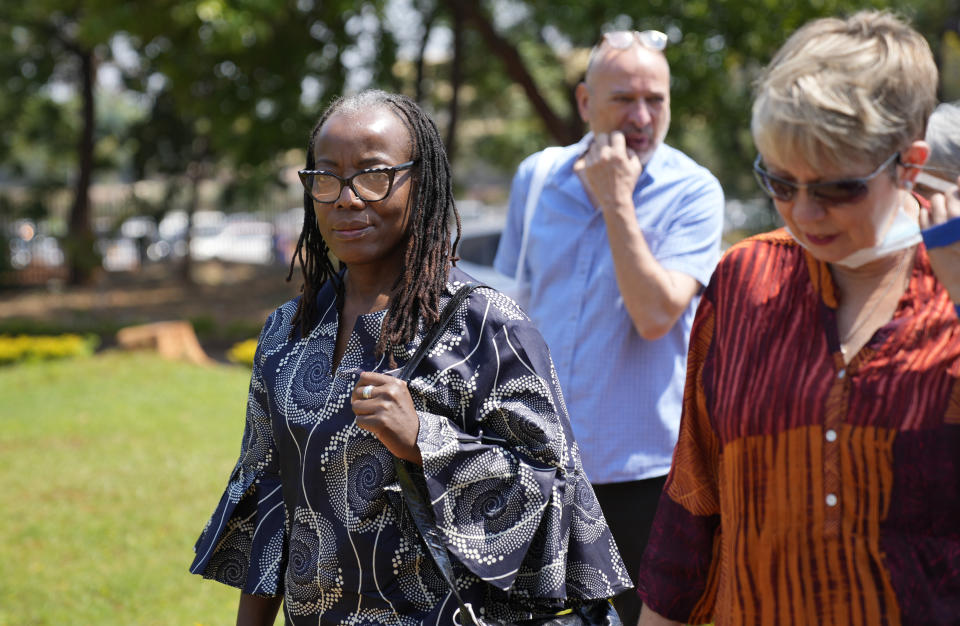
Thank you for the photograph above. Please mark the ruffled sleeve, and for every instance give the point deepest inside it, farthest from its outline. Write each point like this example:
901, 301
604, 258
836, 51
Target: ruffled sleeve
501, 465
243, 544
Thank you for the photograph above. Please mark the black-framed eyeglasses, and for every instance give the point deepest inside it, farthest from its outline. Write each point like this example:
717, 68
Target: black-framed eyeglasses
370, 185
835, 191
623, 39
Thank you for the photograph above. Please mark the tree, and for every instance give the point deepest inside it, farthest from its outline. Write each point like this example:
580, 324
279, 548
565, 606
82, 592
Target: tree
716, 50
229, 88
50, 43
234, 85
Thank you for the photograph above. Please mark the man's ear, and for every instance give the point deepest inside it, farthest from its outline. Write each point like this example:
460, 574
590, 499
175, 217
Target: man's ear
583, 99
913, 159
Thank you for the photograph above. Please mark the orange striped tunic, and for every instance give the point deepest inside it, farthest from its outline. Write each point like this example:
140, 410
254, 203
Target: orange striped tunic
804, 491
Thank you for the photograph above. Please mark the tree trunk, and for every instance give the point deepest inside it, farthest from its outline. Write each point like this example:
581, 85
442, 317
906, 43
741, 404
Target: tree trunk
557, 126
456, 80
194, 174
418, 79
81, 254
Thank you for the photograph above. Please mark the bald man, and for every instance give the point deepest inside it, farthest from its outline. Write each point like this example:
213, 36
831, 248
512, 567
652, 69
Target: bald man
625, 233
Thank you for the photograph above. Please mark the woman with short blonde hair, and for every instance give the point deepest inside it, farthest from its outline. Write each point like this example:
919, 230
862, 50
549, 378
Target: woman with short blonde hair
816, 479
845, 89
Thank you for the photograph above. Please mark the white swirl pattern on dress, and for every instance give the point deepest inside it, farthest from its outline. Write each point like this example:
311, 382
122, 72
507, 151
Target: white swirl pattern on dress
499, 464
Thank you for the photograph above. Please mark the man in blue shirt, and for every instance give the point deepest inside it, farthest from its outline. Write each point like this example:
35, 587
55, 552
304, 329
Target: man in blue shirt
625, 233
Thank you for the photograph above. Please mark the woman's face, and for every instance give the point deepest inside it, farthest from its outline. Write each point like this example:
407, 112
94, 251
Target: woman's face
834, 230
358, 232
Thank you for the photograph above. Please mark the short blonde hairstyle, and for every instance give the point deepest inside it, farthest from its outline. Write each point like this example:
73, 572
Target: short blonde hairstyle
845, 90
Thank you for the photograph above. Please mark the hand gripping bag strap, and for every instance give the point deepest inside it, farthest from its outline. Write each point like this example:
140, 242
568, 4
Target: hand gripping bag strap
417, 503
541, 168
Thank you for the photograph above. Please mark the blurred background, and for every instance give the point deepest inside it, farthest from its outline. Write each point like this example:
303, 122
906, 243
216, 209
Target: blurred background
148, 157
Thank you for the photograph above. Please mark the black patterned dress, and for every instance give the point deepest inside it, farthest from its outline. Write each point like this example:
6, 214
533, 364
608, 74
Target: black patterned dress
313, 511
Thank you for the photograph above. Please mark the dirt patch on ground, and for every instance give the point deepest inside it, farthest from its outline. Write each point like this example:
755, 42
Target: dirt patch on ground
221, 297
220, 291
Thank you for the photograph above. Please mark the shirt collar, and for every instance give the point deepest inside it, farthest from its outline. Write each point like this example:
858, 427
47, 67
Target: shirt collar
656, 164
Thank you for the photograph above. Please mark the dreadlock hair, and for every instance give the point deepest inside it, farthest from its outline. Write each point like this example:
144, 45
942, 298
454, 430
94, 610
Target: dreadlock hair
429, 253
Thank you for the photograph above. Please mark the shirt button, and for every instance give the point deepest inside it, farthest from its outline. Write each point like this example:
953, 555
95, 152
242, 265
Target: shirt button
831, 499
831, 435
841, 373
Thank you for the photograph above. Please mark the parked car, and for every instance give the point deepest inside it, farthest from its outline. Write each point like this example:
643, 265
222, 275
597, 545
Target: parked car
120, 254
481, 228
241, 240
30, 246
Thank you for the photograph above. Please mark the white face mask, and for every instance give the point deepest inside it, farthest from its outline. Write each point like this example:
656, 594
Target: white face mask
902, 233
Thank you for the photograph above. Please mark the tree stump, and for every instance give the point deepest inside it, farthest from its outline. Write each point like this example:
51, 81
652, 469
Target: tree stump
171, 340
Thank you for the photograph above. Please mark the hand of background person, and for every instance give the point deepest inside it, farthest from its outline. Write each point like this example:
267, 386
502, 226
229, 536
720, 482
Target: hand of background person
609, 171
388, 413
945, 260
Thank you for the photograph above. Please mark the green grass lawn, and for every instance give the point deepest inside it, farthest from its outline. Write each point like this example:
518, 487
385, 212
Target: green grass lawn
109, 468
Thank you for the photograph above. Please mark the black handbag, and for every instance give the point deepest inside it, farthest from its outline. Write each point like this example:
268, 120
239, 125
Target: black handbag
596, 612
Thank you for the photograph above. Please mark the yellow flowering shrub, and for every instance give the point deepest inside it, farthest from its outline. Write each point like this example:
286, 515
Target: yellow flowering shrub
243, 352
36, 347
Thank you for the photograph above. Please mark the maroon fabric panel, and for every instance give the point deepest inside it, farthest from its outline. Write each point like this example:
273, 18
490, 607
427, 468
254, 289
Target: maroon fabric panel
921, 535
675, 566
770, 365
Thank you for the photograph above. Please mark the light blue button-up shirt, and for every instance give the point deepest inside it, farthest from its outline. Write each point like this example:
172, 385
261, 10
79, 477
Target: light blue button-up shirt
623, 393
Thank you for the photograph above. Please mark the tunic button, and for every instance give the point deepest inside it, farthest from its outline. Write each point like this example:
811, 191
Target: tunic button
841, 373
831, 435
831, 499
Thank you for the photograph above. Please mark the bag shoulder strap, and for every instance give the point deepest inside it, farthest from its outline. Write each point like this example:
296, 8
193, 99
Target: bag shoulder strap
541, 169
417, 503
437, 329
423, 519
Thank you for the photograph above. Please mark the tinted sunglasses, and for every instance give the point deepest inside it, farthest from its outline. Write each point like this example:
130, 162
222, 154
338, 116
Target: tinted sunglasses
834, 191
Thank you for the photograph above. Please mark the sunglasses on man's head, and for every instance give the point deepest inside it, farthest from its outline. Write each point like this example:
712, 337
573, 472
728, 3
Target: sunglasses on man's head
847, 190
623, 39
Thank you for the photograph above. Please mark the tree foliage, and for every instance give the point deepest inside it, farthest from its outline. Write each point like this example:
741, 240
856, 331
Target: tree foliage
716, 50
211, 87
46, 44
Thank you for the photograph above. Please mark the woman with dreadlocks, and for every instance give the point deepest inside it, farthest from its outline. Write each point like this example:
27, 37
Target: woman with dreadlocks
313, 513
